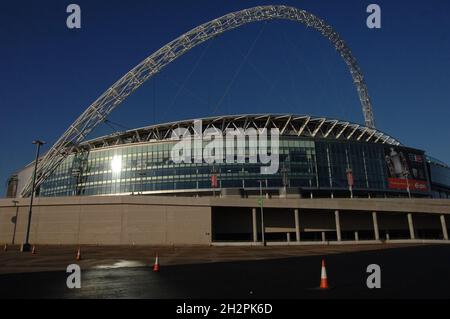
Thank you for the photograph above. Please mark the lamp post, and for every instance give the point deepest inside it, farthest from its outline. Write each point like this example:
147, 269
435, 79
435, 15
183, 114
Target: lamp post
26, 246
15, 202
262, 212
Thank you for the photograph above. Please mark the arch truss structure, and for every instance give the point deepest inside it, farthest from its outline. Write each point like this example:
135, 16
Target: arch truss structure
99, 110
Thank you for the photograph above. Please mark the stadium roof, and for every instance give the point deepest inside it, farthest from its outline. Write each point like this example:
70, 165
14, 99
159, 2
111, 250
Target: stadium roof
288, 124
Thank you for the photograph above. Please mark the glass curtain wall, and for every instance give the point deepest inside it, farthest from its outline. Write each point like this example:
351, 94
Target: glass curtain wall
138, 168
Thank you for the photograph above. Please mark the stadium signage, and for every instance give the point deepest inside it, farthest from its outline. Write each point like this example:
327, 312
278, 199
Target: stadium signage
403, 183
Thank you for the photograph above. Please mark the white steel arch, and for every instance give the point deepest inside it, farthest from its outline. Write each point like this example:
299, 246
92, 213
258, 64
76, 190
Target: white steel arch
98, 111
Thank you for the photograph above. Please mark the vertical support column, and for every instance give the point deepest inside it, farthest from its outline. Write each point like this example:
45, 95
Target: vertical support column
411, 226
444, 227
375, 226
338, 225
255, 232
297, 225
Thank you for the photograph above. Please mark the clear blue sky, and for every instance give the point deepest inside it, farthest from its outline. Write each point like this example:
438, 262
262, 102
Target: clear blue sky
50, 74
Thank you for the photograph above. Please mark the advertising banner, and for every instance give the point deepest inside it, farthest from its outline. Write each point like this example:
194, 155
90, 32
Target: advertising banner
403, 183
405, 168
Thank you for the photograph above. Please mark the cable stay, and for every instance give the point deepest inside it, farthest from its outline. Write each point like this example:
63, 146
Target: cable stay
239, 69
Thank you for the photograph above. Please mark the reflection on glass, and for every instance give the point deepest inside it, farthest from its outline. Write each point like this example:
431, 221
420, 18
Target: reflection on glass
116, 164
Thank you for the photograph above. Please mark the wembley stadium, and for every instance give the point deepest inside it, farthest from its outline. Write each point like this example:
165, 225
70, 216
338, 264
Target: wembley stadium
336, 181
315, 155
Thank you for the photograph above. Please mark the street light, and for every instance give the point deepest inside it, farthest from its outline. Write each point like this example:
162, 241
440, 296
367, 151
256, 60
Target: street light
262, 212
15, 202
26, 246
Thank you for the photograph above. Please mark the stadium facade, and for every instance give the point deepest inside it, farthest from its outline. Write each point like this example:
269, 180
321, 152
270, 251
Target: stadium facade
315, 158
127, 183
334, 182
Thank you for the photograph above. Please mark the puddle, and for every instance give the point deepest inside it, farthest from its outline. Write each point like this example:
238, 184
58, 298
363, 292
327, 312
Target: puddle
121, 264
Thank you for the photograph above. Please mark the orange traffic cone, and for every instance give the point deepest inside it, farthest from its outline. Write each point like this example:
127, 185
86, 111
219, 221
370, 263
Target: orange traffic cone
6, 247
323, 276
78, 256
33, 251
156, 265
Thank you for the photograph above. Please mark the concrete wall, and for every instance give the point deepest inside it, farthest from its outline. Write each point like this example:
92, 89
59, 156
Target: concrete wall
153, 220
72, 222
401, 205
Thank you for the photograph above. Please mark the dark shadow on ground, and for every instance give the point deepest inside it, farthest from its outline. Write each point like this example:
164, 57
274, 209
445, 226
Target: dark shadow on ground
410, 272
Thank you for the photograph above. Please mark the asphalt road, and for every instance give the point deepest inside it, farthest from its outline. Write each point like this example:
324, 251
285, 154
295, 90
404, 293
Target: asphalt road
411, 272
56, 257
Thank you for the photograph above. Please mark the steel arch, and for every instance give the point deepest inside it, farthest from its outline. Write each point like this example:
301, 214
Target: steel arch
111, 98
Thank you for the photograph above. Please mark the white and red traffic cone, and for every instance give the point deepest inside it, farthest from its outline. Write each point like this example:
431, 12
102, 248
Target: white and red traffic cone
156, 265
78, 255
323, 276
33, 251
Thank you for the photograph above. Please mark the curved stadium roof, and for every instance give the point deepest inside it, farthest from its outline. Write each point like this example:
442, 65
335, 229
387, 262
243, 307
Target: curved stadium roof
288, 124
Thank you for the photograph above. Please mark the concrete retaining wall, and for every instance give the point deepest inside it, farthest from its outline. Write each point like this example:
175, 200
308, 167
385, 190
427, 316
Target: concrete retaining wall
108, 224
153, 220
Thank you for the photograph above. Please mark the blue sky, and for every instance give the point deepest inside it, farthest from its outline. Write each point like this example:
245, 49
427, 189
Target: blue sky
50, 74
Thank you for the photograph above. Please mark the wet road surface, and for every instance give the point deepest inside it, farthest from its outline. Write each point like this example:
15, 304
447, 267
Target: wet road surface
411, 272
56, 257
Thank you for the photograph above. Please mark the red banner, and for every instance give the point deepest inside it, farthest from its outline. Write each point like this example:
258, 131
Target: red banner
214, 181
350, 181
402, 183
